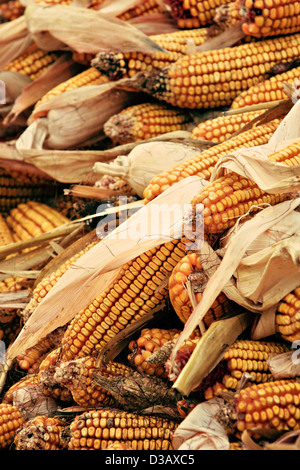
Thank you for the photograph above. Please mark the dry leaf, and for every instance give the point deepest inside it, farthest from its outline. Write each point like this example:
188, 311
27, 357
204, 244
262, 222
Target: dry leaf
146, 161
14, 84
14, 40
200, 430
285, 365
62, 27
73, 117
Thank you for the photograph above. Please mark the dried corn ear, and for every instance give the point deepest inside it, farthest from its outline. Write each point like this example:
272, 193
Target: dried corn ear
222, 128
145, 7
32, 219
194, 13
203, 164
128, 64
268, 406
19, 187
137, 290
88, 77
268, 90
78, 377
32, 64
243, 356
6, 236
145, 121
97, 430
287, 317
31, 359
10, 420
116, 65
27, 381
229, 198
190, 272
40, 433
46, 284
11, 10
48, 367
149, 341
212, 79
262, 18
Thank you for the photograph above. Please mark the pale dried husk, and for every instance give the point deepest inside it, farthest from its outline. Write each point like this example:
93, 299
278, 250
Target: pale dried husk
146, 161
31, 91
285, 365
68, 27
200, 430
72, 117
14, 40
31, 401
14, 84
253, 163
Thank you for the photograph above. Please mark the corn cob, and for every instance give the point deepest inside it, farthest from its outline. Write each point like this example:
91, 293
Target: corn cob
33, 219
194, 12
97, 430
178, 41
227, 15
232, 196
128, 64
40, 433
144, 121
78, 377
32, 64
269, 406
203, 164
5, 234
31, 359
243, 356
268, 90
46, 284
222, 128
48, 366
91, 76
11, 284
17, 188
138, 289
145, 7
263, 18
10, 420
11, 10
189, 269
213, 79
118, 65
149, 341
287, 316
28, 381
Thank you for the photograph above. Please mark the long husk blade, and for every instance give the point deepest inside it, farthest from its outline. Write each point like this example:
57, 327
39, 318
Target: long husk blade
83, 30
210, 350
